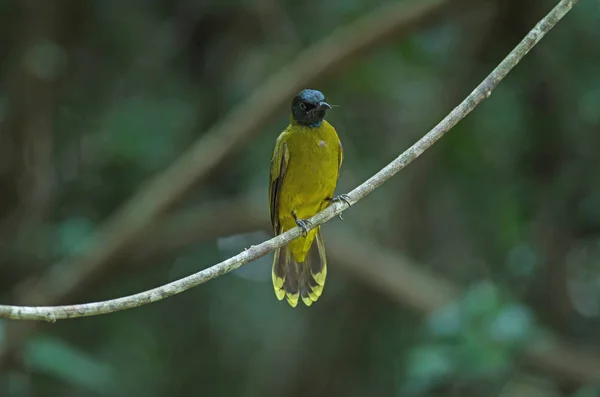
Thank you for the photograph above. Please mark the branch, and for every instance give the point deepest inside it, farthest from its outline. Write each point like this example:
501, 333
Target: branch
483, 91
130, 222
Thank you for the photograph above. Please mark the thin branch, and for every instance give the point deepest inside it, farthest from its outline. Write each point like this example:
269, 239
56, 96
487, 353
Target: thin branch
483, 91
131, 220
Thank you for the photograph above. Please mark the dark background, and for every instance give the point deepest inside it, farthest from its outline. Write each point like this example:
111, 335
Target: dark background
473, 272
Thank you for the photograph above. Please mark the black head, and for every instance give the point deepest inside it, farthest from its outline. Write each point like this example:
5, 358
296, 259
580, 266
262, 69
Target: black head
309, 107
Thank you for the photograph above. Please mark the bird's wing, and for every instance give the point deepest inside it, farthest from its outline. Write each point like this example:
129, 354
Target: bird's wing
340, 156
279, 163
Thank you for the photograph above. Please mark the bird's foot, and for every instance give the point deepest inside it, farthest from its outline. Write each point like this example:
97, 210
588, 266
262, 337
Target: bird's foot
342, 197
303, 223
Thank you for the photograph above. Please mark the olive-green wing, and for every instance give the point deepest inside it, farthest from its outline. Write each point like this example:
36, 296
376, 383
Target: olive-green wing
340, 156
279, 163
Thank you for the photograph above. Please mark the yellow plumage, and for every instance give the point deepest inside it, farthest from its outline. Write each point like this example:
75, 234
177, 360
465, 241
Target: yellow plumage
304, 173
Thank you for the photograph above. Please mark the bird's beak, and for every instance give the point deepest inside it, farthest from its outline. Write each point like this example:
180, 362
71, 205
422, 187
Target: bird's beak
323, 106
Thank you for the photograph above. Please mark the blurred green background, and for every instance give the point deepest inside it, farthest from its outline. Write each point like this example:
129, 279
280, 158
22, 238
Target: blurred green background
473, 272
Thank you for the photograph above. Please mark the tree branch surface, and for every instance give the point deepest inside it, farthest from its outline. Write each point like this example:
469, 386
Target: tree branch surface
134, 217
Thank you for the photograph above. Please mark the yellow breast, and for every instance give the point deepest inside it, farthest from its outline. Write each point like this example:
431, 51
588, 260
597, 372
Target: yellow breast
310, 178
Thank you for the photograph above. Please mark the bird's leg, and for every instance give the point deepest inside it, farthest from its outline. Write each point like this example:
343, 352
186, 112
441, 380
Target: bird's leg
342, 197
304, 224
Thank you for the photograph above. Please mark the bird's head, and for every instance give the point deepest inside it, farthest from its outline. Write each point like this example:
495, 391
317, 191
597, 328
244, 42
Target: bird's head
309, 107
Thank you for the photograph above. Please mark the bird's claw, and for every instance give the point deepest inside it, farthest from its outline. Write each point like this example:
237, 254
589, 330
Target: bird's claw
342, 197
303, 223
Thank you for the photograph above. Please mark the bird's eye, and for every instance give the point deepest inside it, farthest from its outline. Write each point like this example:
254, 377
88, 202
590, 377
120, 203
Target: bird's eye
302, 106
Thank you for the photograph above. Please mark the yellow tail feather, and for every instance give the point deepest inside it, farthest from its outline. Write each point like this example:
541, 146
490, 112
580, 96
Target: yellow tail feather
293, 280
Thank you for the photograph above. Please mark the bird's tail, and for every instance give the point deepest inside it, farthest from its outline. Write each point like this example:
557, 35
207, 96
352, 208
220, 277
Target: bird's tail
306, 279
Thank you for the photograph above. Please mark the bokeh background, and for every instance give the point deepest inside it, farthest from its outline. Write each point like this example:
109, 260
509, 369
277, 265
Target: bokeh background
473, 272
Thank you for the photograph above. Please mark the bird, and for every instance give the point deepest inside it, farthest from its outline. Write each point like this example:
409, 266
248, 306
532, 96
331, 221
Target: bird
304, 171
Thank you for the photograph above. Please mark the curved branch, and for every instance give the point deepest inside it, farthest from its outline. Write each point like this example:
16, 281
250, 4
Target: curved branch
131, 220
483, 91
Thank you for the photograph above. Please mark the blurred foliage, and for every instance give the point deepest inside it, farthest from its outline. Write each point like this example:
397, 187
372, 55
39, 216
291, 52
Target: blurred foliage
97, 97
